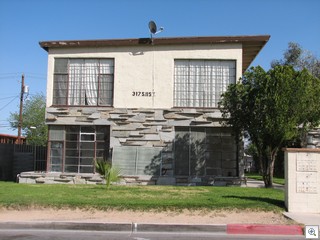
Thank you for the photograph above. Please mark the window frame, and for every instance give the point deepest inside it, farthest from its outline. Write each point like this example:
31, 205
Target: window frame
64, 95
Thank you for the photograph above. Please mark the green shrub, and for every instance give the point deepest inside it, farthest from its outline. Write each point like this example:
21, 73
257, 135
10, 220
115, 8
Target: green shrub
109, 172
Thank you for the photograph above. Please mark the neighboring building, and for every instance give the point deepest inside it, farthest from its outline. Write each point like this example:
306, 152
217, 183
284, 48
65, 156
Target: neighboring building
249, 165
12, 139
150, 106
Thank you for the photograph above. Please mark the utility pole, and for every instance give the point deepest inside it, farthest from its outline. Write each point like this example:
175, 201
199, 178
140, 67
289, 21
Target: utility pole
21, 107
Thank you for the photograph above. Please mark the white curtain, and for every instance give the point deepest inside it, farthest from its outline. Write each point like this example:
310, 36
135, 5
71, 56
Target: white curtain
83, 81
200, 83
76, 87
91, 71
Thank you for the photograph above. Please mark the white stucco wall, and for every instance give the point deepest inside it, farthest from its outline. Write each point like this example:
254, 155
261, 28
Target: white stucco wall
145, 69
302, 180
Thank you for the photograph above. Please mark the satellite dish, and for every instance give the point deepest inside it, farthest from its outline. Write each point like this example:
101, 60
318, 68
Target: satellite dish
152, 27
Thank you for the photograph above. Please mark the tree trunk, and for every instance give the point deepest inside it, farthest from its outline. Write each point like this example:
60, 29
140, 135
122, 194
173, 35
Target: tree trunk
267, 164
268, 180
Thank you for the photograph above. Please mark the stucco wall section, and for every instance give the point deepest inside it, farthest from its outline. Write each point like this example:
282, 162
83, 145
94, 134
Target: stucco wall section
302, 180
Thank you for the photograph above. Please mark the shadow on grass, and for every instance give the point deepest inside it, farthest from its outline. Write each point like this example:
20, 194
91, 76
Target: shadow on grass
275, 202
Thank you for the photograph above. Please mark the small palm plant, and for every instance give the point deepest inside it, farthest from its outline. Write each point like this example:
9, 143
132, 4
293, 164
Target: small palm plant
109, 172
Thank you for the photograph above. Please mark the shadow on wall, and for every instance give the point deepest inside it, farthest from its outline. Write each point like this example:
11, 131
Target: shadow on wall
186, 158
154, 167
190, 154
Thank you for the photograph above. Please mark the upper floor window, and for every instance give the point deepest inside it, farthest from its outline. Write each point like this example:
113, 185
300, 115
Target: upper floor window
81, 82
200, 83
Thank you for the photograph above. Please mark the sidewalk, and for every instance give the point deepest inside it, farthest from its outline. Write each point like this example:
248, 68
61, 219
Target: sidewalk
304, 218
260, 184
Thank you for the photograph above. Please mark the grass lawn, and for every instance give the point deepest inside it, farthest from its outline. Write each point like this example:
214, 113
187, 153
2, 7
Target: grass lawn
15, 195
259, 177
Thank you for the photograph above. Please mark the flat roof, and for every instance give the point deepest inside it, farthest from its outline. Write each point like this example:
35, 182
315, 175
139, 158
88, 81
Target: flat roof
251, 45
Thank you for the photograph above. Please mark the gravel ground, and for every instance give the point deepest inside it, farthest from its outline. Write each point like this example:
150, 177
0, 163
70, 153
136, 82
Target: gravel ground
182, 217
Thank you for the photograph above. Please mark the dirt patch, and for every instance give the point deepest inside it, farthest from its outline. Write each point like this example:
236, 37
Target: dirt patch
182, 217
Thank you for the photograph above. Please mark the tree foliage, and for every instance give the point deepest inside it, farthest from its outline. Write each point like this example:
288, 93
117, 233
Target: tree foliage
33, 124
271, 108
299, 58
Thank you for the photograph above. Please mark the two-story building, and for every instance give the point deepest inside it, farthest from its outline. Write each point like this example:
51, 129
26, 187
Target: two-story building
151, 106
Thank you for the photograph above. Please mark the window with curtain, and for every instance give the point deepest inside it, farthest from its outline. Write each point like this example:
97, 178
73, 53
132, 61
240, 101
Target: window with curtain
80, 82
200, 83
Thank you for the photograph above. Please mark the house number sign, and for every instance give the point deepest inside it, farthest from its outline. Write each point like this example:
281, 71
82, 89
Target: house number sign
142, 94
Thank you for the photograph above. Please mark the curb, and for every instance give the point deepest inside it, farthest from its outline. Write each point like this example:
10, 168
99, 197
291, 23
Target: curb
119, 227
145, 227
221, 228
56, 225
264, 229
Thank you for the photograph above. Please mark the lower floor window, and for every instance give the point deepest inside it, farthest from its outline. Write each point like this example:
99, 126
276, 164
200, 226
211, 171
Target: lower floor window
74, 148
201, 151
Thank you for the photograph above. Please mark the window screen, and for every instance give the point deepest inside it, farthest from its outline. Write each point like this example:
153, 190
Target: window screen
137, 160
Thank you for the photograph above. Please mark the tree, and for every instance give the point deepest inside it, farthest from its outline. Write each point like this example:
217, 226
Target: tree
299, 58
271, 108
33, 124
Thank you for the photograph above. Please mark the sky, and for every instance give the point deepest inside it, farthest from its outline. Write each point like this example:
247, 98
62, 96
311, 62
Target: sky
23, 23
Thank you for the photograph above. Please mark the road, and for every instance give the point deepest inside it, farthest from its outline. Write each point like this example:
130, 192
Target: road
18, 234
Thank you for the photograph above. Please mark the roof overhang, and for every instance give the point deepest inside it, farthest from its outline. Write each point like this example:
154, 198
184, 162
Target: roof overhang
251, 45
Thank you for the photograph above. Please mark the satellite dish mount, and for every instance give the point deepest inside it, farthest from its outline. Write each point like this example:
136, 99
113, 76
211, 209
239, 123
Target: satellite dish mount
153, 29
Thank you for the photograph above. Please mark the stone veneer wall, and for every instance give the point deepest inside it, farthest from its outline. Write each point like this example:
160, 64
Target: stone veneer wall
94, 178
313, 138
136, 127
79, 178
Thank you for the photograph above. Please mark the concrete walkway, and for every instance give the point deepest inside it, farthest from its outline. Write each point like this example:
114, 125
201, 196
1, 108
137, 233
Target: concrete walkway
304, 218
260, 184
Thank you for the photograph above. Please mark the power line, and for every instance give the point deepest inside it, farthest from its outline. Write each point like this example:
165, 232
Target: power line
8, 97
9, 103
30, 74
10, 74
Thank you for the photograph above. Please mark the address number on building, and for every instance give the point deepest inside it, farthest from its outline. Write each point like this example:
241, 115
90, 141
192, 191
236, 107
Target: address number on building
142, 94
